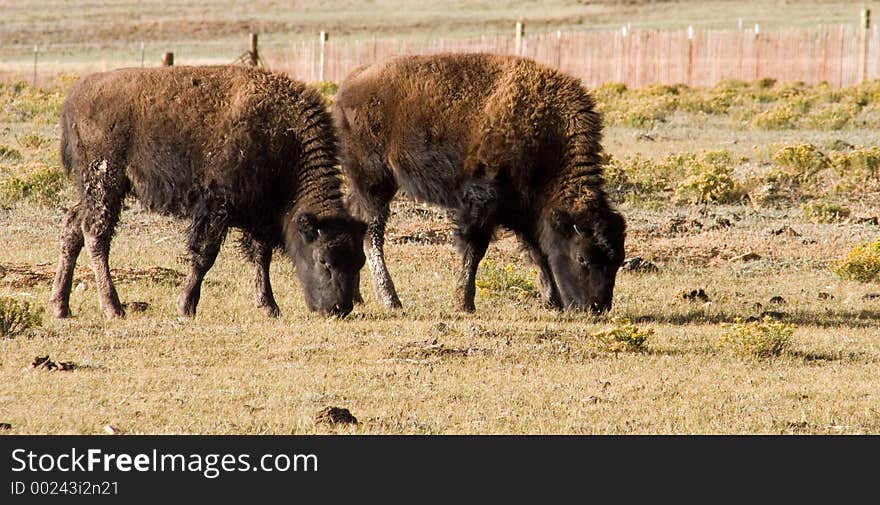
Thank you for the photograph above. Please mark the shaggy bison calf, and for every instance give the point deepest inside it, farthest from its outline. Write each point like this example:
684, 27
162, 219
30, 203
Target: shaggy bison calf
503, 141
223, 147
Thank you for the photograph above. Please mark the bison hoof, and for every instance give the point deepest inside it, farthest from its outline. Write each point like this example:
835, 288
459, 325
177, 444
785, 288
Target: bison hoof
61, 311
357, 299
272, 310
393, 303
553, 305
114, 313
186, 309
467, 307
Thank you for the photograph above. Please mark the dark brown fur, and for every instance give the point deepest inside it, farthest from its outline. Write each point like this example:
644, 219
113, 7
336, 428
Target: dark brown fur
221, 146
502, 140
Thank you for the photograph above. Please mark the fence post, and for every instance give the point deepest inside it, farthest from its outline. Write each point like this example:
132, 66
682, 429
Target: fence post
168, 60
866, 32
322, 40
757, 52
36, 51
690, 74
252, 52
518, 43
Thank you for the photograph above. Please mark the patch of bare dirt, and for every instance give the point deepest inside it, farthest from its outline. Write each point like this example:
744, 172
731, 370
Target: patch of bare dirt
430, 236
25, 276
431, 349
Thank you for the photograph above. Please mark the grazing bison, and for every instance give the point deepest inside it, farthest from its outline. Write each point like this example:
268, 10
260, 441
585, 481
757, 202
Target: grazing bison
503, 141
222, 147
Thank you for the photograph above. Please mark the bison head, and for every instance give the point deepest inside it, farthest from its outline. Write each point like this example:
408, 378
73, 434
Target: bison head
328, 255
584, 252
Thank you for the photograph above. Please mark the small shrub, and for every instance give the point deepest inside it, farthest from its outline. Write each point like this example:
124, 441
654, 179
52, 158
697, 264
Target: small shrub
858, 169
800, 163
23, 103
32, 140
9, 154
494, 280
782, 115
757, 339
710, 179
824, 212
637, 175
16, 317
862, 263
43, 186
624, 336
833, 116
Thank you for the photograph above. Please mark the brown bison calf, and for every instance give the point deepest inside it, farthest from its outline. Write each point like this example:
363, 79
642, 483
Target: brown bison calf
503, 141
223, 147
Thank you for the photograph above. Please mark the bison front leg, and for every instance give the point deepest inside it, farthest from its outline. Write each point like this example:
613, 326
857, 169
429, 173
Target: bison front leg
205, 238
473, 248
260, 254
374, 247
475, 221
549, 291
71, 245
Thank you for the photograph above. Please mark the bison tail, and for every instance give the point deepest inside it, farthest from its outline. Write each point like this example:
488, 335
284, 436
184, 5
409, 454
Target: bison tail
67, 154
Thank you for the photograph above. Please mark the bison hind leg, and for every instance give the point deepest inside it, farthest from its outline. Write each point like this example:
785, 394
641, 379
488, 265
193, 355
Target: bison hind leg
71, 245
259, 252
104, 187
370, 200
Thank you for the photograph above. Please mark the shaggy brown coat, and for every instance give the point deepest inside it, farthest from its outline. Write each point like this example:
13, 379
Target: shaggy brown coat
223, 146
502, 140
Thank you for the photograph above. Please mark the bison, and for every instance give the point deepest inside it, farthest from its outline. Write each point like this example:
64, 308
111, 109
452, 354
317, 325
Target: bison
501, 140
222, 147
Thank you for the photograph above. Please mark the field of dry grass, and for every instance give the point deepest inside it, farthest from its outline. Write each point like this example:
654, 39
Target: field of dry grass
513, 367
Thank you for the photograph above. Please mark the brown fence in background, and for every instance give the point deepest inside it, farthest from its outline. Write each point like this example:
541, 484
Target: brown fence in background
841, 55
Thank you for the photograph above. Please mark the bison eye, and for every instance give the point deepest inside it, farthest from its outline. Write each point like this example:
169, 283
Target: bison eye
582, 260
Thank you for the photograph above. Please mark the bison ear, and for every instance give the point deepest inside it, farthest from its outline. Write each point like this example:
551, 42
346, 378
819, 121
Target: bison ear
307, 224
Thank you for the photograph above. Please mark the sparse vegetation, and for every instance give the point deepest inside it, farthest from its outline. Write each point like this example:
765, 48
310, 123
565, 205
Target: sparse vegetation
16, 317
624, 336
824, 212
681, 162
42, 185
507, 281
757, 339
710, 179
862, 263
9, 154
763, 104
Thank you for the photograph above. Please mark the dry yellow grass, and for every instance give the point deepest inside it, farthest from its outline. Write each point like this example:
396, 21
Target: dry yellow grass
513, 367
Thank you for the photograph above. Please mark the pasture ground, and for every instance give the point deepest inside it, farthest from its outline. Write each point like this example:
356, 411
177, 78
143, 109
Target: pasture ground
512, 367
